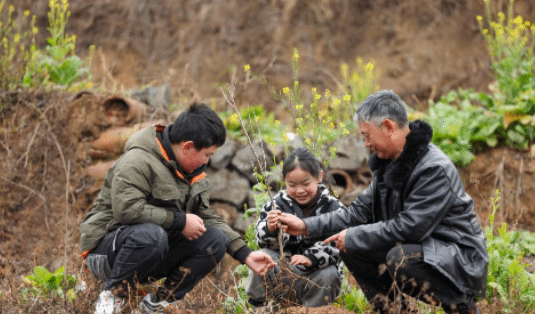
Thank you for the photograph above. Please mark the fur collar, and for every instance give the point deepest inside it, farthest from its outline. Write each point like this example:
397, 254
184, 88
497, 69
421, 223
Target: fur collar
396, 173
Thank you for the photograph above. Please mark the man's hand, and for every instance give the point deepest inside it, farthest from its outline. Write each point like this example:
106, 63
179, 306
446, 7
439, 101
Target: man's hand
339, 240
301, 260
194, 227
259, 262
291, 224
273, 220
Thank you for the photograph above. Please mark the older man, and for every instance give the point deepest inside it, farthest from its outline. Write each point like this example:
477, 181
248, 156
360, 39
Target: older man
415, 218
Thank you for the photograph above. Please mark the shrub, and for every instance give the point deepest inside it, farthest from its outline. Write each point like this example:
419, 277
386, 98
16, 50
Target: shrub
507, 276
18, 46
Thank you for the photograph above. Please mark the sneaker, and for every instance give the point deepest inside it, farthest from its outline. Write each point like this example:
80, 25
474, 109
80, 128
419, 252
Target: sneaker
476, 311
108, 303
150, 305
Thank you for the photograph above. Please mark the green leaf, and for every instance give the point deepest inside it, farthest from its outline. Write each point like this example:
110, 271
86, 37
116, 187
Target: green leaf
42, 275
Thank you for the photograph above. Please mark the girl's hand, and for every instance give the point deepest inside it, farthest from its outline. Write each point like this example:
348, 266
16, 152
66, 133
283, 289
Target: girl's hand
273, 220
301, 260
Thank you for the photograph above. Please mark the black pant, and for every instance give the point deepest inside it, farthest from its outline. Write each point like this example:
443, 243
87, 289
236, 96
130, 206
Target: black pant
146, 252
412, 276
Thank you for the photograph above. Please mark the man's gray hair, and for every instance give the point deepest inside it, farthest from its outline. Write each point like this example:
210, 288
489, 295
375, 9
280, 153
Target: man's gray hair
382, 105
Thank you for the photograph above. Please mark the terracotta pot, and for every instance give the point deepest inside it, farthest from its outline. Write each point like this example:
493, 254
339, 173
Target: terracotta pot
342, 180
111, 142
99, 170
119, 110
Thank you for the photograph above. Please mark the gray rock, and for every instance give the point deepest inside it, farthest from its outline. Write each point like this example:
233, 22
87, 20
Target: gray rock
245, 161
241, 224
350, 153
222, 157
156, 97
228, 187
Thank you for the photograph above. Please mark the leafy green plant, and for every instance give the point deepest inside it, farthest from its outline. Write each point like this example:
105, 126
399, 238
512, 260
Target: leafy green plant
45, 283
351, 298
18, 46
460, 128
510, 41
238, 304
507, 276
57, 63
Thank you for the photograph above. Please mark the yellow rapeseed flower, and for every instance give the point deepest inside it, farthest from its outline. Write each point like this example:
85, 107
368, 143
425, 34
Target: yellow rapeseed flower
298, 106
35, 30
277, 122
27, 12
479, 18
313, 90
318, 96
327, 93
296, 55
308, 141
346, 131
336, 101
368, 67
286, 90
285, 137
347, 97
518, 20
247, 67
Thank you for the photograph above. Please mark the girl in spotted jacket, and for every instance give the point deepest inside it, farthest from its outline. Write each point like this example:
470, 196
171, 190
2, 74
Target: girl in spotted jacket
317, 266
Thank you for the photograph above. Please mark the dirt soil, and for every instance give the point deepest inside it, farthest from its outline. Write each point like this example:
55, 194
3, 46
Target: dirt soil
423, 49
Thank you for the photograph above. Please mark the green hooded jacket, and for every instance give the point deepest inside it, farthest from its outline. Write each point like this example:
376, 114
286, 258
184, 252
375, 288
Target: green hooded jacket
143, 186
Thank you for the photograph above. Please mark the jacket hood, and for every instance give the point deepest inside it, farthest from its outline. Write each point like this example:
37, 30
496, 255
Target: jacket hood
396, 173
145, 139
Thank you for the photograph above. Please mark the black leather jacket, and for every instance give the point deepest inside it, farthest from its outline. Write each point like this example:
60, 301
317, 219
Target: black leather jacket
418, 198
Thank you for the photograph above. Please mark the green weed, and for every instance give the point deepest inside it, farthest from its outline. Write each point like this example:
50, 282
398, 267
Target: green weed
47, 284
460, 128
57, 63
507, 276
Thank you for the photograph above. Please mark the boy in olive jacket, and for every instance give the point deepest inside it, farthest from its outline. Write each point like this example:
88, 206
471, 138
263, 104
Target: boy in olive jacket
152, 218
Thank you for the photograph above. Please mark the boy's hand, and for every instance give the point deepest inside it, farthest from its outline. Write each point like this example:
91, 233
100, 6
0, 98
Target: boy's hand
301, 260
259, 262
291, 224
339, 240
273, 220
194, 227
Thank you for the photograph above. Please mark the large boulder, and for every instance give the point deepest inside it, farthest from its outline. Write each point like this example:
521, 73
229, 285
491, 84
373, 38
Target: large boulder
222, 157
250, 157
228, 187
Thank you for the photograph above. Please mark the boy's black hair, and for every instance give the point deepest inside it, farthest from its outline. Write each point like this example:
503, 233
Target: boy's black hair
199, 124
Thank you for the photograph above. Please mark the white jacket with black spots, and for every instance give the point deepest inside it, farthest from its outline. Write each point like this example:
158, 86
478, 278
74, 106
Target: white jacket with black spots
319, 254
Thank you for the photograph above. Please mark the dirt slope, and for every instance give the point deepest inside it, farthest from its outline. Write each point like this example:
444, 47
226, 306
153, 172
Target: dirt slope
423, 48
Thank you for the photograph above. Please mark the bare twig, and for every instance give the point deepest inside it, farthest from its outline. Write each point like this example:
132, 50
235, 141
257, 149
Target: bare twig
66, 224
29, 146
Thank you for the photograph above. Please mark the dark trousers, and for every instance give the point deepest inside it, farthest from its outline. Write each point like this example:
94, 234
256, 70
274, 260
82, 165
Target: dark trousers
145, 252
404, 264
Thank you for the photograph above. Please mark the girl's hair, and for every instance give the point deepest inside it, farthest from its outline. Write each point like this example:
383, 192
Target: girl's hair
304, 159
